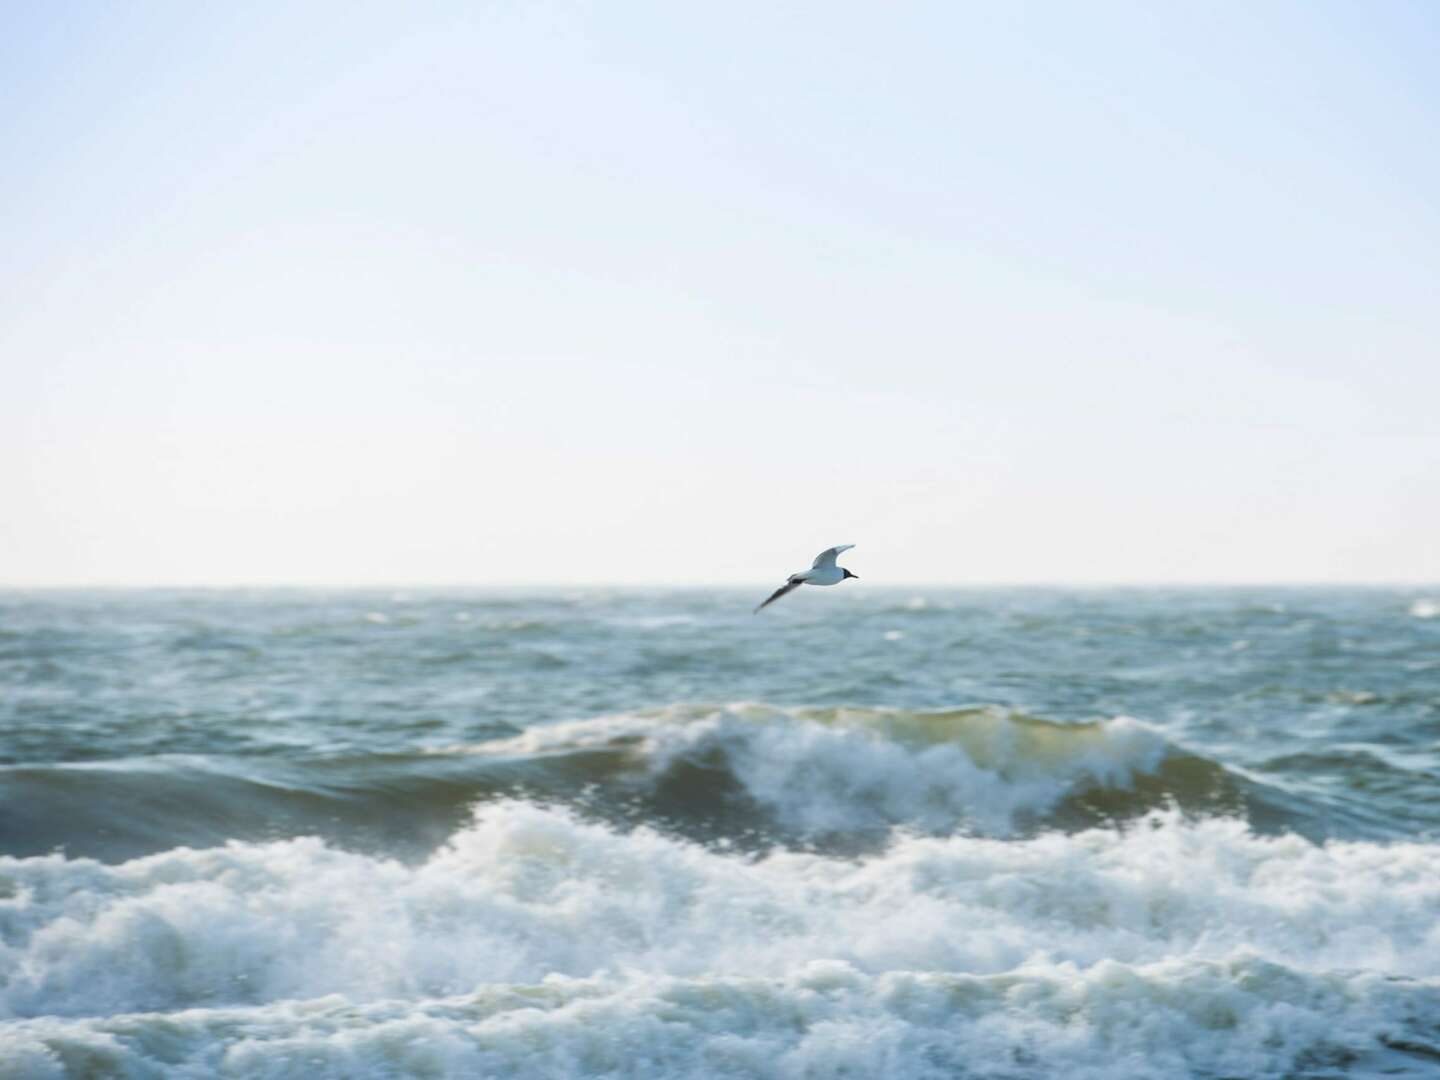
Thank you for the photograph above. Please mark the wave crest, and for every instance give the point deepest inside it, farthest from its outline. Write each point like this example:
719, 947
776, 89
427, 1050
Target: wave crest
830, 772
842, 780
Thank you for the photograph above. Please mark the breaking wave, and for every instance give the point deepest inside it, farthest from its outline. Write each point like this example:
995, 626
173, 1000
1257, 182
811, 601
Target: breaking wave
829, 773
535, 942
830, 779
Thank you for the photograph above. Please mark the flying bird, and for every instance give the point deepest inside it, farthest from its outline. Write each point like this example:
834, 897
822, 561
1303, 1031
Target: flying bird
823, 571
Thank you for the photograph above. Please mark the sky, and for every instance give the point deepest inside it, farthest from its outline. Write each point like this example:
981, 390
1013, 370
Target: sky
535, 293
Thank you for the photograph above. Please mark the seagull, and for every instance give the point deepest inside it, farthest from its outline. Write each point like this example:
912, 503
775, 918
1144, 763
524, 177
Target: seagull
823, 571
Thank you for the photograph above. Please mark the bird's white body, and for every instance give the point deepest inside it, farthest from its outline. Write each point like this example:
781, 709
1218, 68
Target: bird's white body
820, 575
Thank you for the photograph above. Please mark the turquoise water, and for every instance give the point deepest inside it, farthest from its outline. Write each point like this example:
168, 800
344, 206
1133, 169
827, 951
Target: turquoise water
914, 832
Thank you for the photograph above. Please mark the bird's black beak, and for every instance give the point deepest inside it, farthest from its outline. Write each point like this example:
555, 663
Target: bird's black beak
855, 576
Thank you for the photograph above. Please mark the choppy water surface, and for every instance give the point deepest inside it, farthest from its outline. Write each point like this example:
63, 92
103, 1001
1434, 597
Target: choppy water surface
901, 833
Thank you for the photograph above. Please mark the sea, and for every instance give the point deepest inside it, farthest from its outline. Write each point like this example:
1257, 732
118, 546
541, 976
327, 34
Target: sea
870, 832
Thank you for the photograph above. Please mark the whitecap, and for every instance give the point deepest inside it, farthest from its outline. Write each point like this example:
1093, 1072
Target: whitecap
536, 943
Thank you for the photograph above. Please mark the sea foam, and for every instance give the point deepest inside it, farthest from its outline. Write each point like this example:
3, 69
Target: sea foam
537, 943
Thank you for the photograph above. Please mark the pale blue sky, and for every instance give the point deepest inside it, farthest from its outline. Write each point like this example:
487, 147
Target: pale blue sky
511, 293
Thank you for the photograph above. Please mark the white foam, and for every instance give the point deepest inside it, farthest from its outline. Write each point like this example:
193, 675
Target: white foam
651, 622
1425, 609
824, 770
536, 941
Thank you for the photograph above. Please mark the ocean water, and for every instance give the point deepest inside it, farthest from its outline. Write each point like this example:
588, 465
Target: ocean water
624, 833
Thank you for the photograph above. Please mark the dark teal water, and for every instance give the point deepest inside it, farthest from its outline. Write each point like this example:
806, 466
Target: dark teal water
935, 832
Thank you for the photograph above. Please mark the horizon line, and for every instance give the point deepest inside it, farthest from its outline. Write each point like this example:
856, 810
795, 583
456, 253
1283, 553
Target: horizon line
1078, 584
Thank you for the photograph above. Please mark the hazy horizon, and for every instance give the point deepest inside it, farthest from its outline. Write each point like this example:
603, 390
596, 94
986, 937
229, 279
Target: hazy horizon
399, 588
342, 295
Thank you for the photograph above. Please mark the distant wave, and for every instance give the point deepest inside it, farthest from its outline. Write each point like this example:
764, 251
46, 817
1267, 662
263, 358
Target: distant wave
535, 942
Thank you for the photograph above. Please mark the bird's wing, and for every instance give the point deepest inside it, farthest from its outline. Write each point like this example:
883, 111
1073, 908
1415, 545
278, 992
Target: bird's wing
827, 557
789, 586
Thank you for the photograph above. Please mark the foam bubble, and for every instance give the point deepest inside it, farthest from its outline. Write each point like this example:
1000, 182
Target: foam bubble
1425, 609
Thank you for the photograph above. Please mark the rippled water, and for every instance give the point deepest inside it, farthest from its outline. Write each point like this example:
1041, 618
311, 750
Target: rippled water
912, 833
